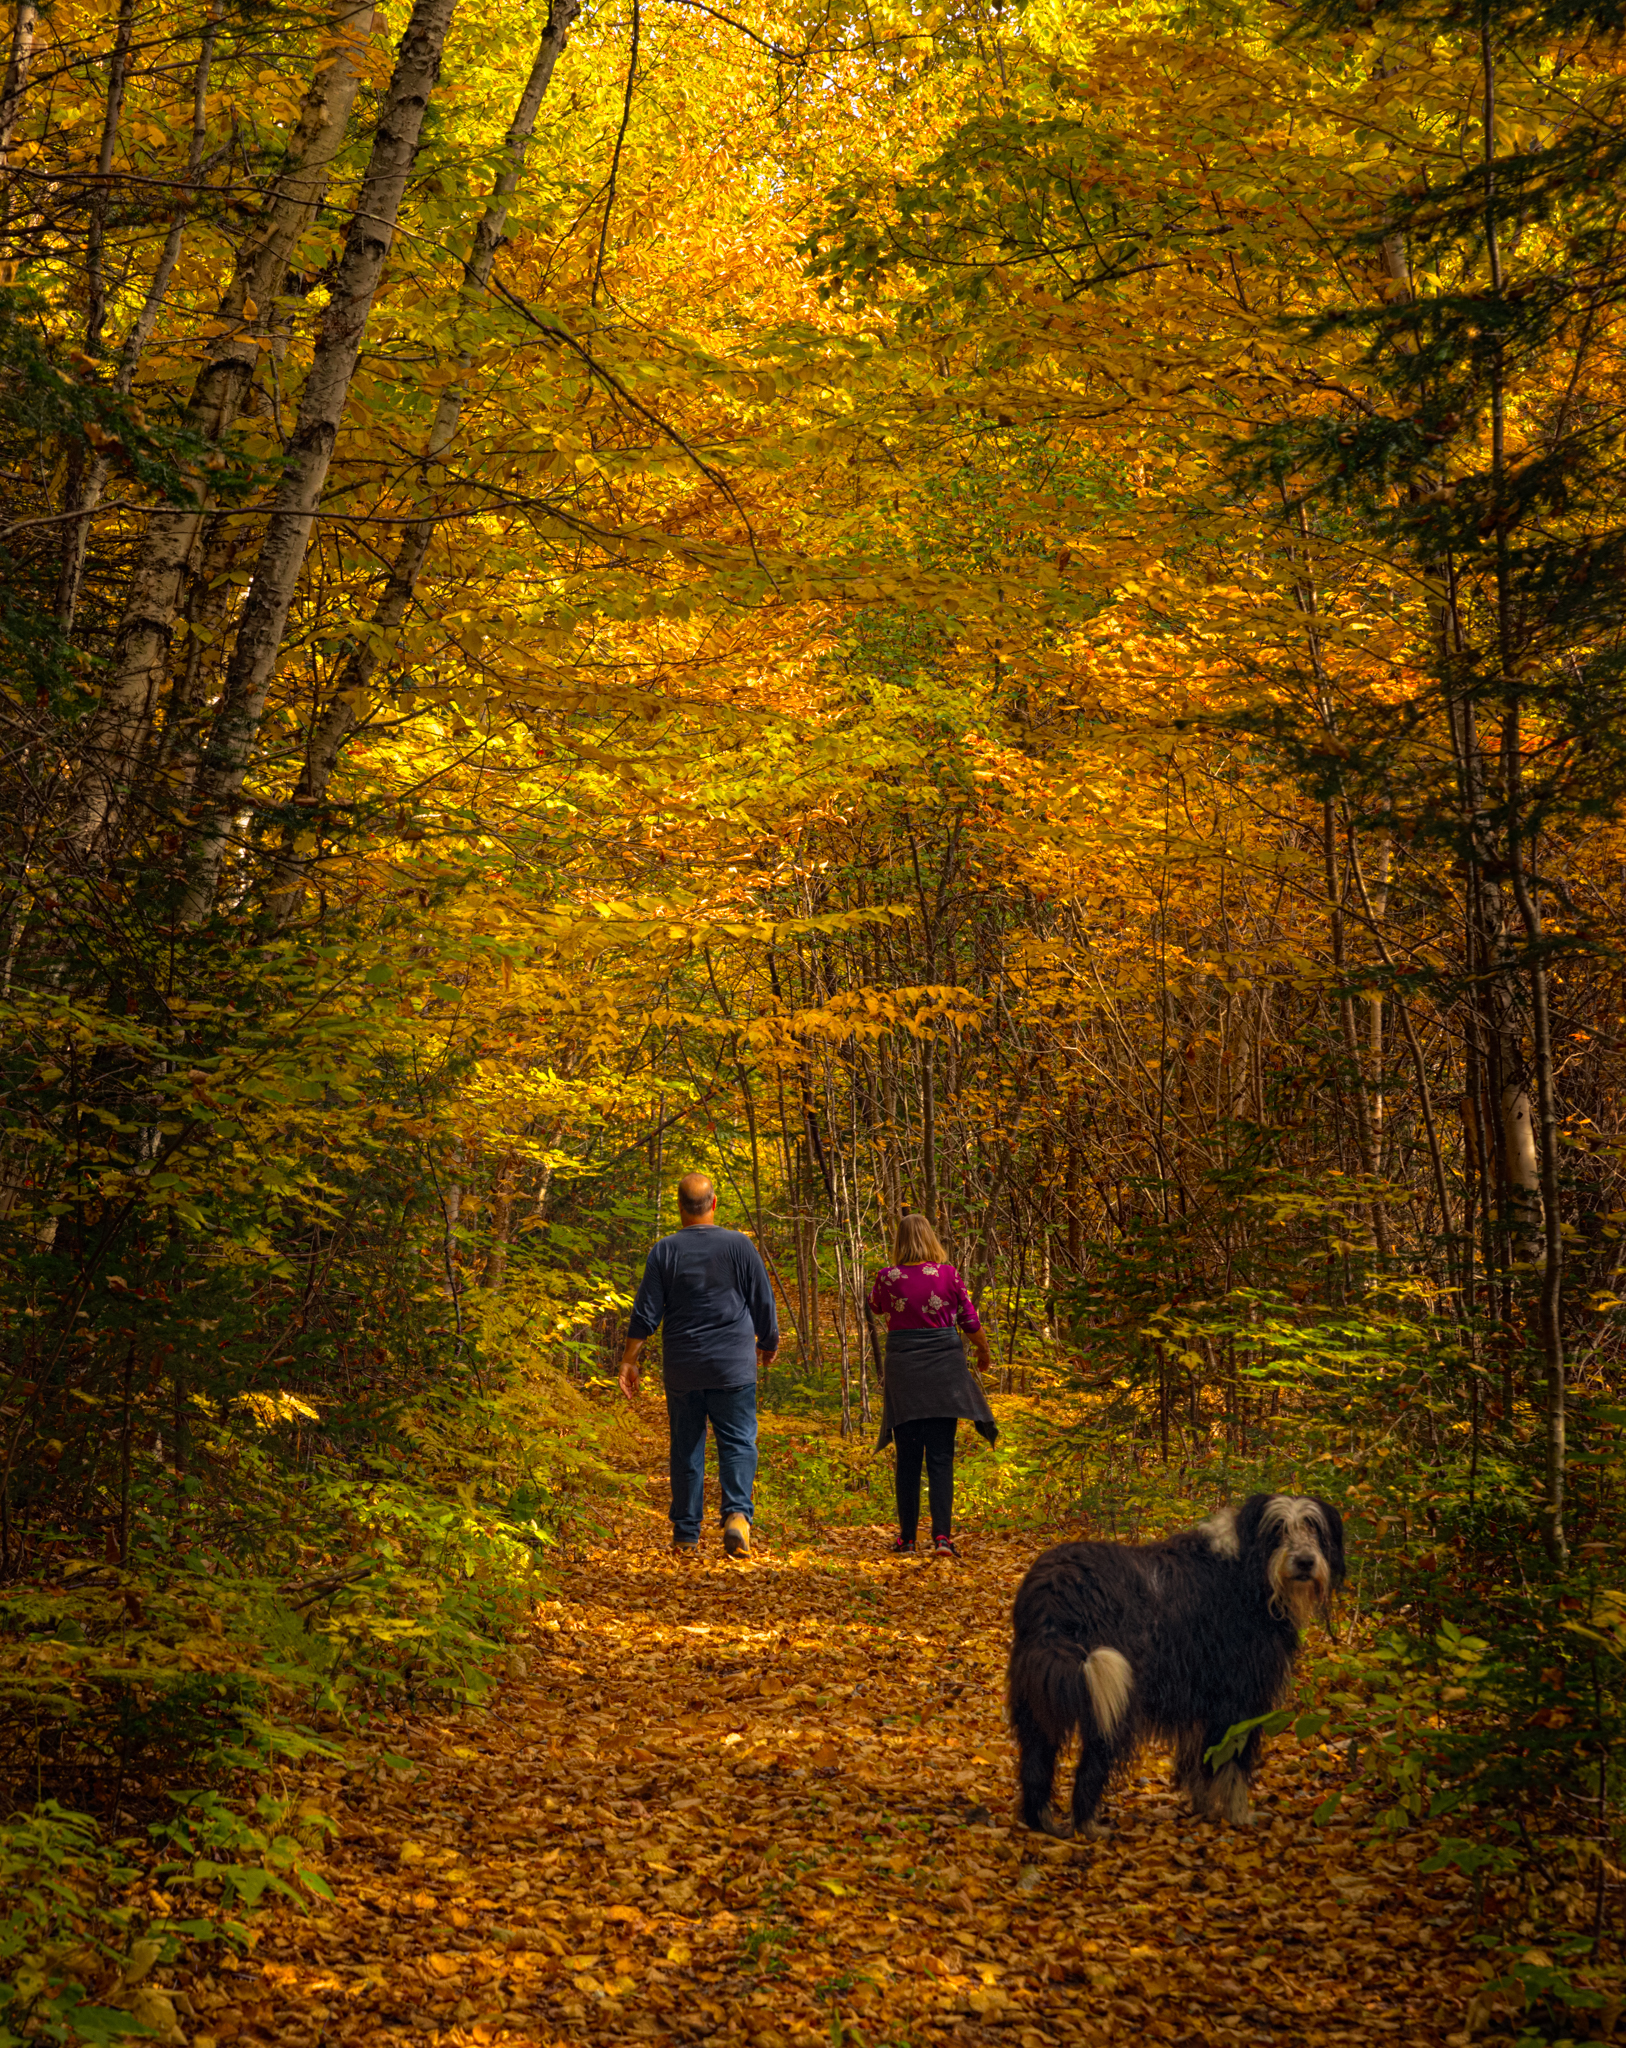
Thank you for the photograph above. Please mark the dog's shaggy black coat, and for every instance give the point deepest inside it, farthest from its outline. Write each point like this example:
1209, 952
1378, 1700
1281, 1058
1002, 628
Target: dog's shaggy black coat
1179, 1640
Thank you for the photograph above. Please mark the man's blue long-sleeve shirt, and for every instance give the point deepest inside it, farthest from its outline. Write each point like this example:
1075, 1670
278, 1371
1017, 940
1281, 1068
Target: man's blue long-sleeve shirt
710, 1289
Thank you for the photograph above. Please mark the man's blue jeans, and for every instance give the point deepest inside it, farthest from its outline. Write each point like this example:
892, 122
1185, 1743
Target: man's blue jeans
732, 1412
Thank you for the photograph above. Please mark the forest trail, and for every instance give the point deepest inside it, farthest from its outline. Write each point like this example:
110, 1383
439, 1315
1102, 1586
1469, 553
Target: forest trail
769, 1803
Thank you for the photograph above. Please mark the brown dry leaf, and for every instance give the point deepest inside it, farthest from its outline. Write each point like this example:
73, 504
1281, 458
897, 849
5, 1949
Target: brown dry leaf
766, 1804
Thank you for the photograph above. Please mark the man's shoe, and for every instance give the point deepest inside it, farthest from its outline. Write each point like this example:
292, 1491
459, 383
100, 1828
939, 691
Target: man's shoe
686, 1546
737, 1536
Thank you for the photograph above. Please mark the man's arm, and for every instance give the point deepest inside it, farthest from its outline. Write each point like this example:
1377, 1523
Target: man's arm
647, 1312
759, 1299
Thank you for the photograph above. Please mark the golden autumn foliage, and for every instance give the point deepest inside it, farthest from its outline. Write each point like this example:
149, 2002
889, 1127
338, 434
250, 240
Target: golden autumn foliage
1011, 612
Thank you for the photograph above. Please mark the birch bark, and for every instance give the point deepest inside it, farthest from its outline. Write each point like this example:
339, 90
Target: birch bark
141, 328
321, 406
351, 701
247, 311
81, 464
24, 26
13, 88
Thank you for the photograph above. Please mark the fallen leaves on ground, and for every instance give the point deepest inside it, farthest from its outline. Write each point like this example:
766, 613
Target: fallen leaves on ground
769, 1803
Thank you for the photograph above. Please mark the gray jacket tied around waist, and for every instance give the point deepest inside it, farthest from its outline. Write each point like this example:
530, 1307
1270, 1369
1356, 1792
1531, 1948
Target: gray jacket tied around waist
926, 1375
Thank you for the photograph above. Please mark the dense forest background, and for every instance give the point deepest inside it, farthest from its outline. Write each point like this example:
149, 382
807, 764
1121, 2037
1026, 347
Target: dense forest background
980, 608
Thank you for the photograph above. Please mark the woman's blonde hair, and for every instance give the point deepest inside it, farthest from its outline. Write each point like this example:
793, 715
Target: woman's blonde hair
917, 1243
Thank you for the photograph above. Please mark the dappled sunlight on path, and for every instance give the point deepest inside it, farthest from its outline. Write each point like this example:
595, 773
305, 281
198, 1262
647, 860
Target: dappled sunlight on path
770, 1803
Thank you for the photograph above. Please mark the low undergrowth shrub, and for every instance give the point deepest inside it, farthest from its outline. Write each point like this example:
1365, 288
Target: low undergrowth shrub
155, 1716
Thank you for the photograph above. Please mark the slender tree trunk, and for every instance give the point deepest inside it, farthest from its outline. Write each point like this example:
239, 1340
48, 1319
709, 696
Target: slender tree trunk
756, 1165
1510, 1166
451, 1218
321, 407
502, 1218
806, 1337
226, 541
1523, 1170
810, 1226
1425, 1099
892, 1172
118, 77
928, 1130
1017, 1284
1377, 904
659, 1163
847, 1180
24, 27
842, 1291
135, 342
1524, 895
1309, 606
985, 1271
247, 313
350, 702
1346, 1017
1552, 1271
81, 464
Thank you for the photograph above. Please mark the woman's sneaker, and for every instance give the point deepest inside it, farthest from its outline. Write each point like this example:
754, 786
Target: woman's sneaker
943, 1546
903, 1546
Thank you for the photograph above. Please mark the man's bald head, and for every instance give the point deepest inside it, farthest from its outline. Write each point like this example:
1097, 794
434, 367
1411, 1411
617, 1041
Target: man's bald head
696, 1195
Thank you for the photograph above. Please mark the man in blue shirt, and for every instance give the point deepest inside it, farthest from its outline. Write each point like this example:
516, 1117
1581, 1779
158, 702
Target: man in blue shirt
710, 1290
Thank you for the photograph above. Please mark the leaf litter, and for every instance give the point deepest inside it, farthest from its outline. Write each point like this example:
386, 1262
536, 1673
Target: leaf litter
769, 1803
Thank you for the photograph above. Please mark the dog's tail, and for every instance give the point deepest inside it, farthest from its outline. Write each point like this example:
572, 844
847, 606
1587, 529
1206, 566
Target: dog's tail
1110, 1682
1062, 1691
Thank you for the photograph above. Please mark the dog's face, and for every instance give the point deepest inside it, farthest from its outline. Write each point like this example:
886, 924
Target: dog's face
1300, 1542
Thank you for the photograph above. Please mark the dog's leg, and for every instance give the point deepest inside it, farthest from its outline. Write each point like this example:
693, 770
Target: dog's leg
1089, 1782
1239, 1784
1231, 1801
1038, 1773
1191, 1774
1222, 1794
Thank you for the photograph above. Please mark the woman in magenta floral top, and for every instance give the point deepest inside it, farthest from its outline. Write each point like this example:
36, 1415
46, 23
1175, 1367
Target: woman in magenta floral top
930, 1296
928, 1383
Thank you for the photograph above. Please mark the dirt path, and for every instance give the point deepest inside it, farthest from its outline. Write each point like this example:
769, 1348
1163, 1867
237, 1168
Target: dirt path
770, 1803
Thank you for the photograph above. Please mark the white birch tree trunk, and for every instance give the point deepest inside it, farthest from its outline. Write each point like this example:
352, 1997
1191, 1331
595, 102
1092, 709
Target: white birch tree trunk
24, 26
141, 328
321, 407
248, 313
351, 700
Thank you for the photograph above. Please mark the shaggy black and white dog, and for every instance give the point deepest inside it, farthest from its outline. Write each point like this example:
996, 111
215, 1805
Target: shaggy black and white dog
1179, 1640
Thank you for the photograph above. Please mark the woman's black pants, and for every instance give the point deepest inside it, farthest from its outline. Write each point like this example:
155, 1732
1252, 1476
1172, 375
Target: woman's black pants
931, 1441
